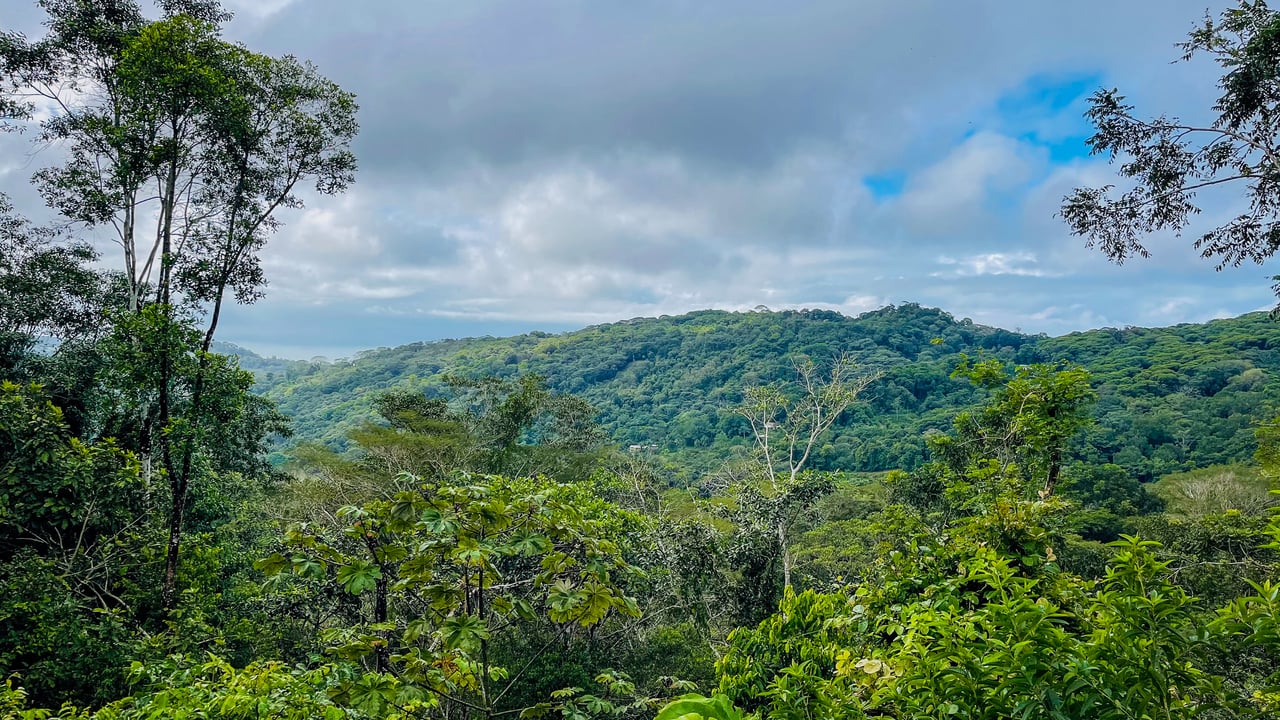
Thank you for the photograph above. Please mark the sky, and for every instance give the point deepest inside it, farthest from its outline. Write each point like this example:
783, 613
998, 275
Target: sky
552, 164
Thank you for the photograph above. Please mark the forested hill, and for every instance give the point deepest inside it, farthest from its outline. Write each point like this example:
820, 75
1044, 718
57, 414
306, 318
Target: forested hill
1169, 399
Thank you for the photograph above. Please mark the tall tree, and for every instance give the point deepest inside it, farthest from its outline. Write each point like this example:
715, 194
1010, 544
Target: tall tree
164, 122
1168, 161
1027, 422
1003, 459
787, 423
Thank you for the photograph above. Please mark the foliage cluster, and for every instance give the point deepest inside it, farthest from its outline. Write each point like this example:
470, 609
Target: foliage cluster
474, 548
1170, 399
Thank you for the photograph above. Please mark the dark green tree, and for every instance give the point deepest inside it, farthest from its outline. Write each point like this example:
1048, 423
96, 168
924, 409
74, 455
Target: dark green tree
1026, 424
52, 311
71, 515
165, 122
47, 288
1169, 161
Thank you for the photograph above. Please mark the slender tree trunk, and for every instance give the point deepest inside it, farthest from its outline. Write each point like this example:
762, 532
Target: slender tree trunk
130, 255
1055, 470
382, 656
1055, 461
786, 555
177, 480
197, 394
484, 647
213, 326
176, 512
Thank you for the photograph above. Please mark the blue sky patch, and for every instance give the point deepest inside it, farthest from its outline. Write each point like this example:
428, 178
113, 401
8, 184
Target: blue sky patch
886, 185
1062, 150
1049, 94
1048, 111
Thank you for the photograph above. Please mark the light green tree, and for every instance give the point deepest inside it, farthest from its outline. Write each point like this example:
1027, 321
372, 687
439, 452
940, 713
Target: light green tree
787, 423
448, 570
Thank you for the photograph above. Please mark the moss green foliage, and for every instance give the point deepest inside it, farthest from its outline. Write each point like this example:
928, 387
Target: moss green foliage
977, 634
449, 569
898, 515
671, 382
51, 482
179, 688
967, 610
1169, 399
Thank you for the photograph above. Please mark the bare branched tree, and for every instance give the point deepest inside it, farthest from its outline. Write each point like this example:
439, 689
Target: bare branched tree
787, 424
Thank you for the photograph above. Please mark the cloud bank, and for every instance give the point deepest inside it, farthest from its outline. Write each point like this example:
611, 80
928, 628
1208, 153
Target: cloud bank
550, 164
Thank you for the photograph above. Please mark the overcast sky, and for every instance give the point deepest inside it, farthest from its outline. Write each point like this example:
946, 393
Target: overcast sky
548, 165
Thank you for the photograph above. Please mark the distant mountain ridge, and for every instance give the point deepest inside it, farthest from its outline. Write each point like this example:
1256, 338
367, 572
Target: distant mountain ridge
1170, 399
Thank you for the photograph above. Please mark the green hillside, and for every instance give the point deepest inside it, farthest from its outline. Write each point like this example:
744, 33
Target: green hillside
1170, 399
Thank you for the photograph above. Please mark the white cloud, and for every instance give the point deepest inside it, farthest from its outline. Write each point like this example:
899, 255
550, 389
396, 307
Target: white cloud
566, 163
256, 10
634, 235
1019, 263
956, 190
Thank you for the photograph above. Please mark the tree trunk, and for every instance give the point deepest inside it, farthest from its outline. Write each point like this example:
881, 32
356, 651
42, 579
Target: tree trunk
1055, 470
383, 655
177, 480
484, 647
786, 555
176, 512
